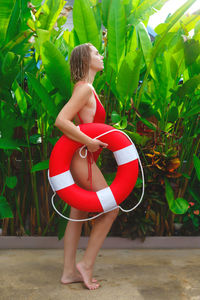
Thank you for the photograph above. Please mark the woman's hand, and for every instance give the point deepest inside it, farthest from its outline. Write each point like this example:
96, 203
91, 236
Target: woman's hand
95, 144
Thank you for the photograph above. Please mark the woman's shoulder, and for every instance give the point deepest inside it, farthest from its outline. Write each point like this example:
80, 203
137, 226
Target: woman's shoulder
83, 87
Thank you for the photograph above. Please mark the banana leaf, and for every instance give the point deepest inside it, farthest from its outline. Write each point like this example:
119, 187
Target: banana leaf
19, 44
129, 70
145, 41
105, 7
56, 68
6, 7
5, 210
196, 161
42, 93
85, 23
48, 14
116, 34
10, 69
142, 10
20, 97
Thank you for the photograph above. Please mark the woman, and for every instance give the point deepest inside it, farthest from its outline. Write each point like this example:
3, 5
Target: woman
84, 107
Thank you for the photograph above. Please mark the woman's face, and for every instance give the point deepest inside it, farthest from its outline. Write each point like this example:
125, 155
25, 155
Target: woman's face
96, 62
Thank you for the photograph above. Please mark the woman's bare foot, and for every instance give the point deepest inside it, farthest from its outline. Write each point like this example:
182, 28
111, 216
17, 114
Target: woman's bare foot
86, 274
73, 278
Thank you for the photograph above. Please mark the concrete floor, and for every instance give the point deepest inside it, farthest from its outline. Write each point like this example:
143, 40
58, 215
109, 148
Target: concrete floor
123, 275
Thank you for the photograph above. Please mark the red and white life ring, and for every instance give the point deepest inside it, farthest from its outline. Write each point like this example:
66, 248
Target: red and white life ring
106, 199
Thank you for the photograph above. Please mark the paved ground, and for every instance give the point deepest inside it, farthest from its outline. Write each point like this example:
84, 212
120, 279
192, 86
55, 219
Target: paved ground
123, 275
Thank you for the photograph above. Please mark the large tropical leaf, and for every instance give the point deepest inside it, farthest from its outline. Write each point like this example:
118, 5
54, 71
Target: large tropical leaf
177, 206
189, 86
48, 13
105, 7
5, 210
129, 70
56, 68
85, 23
145, 41
142, 10
10, 69
20, 97
19, 44
197, 166
13, 25
42, 93
116, 34
6, 7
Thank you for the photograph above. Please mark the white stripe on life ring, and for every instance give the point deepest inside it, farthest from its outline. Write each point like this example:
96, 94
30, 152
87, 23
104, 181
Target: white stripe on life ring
126, 155
106, 199
61, 180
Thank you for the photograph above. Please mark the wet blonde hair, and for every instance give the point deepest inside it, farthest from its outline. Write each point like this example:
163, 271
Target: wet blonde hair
79, 61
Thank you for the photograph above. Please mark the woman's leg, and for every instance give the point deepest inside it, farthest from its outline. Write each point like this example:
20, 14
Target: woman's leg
102, 225
99, 231
79, 170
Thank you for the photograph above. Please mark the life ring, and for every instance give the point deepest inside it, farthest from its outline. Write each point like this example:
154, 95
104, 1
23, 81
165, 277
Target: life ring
106, 199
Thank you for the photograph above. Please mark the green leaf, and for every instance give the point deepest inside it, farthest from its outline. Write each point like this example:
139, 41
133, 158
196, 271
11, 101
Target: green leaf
179, 206
62, 223
142, 10
196, 161
115, 117
137, 138
147, 123
191, 50
169, 193
189, 86
43, 165
195, 195
193, 111
105, 7
130, 69
116, 34
5, 210
145, 41
85, 23
10, 69
122, 124
109, 177
179, 13
9, 144
173, 67
42, 93
6, 7
36, 3
48, 14
56, 68
173, 114
11, 182
20, 97
20, 43
13, 25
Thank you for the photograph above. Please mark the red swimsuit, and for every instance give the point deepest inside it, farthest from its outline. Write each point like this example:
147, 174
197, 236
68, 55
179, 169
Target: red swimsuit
99, 117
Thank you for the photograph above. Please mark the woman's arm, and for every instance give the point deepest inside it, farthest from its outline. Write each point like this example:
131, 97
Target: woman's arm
64, 119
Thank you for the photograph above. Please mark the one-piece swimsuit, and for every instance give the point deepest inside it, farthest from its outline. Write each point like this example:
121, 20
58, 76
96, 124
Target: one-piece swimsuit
99, 117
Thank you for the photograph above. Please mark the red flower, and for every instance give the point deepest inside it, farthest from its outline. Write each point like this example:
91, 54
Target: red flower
196, 212
191, 203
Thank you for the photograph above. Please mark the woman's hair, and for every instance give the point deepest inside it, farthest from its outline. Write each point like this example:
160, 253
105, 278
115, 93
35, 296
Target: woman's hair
79, 61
